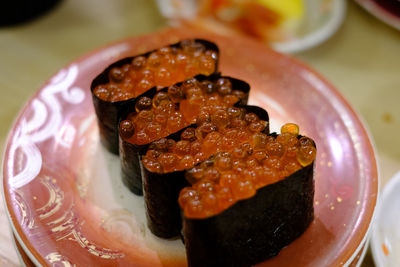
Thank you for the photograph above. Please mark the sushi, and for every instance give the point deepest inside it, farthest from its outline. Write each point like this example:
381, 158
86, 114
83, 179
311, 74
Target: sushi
169, 110
167, 159
209, 169
256, 201
116, 88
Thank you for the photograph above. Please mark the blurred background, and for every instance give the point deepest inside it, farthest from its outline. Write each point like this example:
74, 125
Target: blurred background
358, 53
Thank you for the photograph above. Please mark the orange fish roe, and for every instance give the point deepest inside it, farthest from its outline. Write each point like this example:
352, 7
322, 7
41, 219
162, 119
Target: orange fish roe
168, 112
224, 130
228, 177
161, 68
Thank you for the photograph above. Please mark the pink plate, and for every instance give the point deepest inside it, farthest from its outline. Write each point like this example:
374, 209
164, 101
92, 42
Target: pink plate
66, 202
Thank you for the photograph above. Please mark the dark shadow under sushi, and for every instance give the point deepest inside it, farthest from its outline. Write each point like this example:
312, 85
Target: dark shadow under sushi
108, 113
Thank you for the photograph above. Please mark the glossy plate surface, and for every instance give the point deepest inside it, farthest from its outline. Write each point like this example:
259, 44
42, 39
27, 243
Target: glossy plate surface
66, 202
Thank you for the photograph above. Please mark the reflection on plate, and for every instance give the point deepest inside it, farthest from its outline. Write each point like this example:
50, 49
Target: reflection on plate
62, 189
381, 13
385, 239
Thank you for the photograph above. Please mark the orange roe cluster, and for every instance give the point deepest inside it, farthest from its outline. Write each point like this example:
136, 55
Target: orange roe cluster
221, 131
161, 68
168, 112
228, 177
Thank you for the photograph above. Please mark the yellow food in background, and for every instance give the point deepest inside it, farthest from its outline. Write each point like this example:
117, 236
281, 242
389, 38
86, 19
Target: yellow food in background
264, 20
287, 9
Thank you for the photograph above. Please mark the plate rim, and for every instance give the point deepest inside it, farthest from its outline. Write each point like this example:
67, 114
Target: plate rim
358, 119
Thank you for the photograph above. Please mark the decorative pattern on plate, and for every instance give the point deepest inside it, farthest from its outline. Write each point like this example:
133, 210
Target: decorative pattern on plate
27, 219
55, 199
57, 259
93, 249
43, 124
62, 222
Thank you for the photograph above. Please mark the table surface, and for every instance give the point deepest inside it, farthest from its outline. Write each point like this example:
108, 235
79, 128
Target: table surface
362, 60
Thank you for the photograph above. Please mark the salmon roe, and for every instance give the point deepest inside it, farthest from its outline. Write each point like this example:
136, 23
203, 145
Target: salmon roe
161, 68
168, 112
224, 130
228, 177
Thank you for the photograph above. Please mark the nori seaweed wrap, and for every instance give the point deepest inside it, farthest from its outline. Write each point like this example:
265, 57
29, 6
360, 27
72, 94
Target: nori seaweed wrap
161, 191
254, 229
242, 219
167, 159
119, 84
183, 102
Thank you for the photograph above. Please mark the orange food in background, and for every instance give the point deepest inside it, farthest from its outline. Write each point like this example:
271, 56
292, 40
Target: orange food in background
241, 17
161, 68
264, 20
385, 249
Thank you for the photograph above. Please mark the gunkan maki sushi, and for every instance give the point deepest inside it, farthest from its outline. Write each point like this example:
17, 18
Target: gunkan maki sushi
170, 110
167, 159
245, 205
120, 83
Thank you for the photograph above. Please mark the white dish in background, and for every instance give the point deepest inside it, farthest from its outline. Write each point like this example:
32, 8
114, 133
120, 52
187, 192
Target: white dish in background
380, 13
321, 20
385, 239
